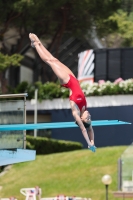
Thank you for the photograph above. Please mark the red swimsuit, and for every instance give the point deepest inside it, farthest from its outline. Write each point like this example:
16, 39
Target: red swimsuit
77, 94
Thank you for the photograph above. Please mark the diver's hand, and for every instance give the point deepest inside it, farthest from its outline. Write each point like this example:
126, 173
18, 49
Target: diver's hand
92, 143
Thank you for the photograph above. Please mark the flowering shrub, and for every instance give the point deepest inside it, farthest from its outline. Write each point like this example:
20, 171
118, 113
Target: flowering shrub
108, 88
51, 90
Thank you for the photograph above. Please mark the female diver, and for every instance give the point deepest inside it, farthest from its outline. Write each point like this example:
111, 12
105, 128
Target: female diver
77, 98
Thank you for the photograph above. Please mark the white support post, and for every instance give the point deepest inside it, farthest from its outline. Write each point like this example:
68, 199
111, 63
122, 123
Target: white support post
35, 111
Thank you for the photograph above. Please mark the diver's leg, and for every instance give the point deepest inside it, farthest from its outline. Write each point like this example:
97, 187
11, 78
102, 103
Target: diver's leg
47, 57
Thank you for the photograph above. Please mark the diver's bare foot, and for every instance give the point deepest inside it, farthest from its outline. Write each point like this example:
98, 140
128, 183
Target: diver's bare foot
34, 40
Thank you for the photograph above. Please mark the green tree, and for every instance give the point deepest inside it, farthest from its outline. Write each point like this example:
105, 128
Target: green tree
5, 62
123, 23
127, 6
51, 19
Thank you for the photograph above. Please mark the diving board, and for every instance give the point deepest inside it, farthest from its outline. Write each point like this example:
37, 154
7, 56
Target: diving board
58, 125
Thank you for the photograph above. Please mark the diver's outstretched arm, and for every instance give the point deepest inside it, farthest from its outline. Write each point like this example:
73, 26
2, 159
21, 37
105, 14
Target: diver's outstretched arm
81, 126
91, 134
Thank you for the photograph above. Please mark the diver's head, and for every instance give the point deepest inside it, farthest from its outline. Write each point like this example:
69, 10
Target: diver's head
86, 119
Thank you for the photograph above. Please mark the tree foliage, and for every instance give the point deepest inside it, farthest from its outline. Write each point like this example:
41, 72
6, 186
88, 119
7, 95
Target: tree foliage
7, 61
51, 19
124, 27
127, 6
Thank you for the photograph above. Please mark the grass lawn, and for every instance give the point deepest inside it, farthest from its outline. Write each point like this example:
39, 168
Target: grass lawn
75, 173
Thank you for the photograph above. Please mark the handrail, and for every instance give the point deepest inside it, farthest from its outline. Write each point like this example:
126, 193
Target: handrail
13, 95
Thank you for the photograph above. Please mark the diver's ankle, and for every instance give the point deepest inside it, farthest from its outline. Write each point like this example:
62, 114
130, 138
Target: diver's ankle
34, 43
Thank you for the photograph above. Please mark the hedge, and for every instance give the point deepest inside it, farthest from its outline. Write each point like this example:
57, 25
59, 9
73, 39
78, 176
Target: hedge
52, 90
47, 146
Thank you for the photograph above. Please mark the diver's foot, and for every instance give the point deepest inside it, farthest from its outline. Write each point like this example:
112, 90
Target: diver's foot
34, 40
